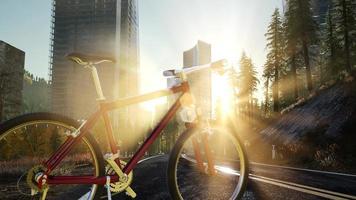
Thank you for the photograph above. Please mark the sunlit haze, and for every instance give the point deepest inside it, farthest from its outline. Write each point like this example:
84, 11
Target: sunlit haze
167, 28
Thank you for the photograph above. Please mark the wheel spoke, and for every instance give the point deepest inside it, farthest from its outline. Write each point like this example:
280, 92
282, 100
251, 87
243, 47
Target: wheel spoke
220, 173
30, 143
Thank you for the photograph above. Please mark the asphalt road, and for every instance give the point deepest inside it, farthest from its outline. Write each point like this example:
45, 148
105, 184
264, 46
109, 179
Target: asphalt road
266, 182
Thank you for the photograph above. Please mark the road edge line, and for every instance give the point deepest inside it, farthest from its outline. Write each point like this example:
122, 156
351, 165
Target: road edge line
302, 169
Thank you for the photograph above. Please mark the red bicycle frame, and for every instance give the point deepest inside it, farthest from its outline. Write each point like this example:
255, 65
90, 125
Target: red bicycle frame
104, 108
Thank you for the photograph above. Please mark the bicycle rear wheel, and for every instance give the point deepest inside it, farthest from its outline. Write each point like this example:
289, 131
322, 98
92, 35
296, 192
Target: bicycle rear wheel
207, 164
26, 142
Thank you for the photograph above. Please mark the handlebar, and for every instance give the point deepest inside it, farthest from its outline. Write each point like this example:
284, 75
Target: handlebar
218, 66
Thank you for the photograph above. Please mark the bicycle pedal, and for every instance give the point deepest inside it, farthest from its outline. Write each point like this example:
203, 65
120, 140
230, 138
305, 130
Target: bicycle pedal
130, 192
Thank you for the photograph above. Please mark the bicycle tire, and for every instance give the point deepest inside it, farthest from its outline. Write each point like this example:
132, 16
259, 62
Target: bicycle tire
175, 154
33, 118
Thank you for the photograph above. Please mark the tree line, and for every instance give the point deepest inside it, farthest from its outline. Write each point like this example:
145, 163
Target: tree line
35, 94
304, 52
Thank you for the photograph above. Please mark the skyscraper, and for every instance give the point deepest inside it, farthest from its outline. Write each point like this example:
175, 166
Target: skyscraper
200, 81
97, 27
12, 62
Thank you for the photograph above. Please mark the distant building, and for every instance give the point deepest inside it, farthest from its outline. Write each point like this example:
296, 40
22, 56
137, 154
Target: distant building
99, 27
200, 81
11, 80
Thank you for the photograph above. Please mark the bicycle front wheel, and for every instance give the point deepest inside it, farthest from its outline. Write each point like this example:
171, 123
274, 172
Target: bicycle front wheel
207, 164
26, 142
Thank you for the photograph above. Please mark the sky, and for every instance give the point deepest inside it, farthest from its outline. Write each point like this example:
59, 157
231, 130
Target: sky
25, 24
166, 29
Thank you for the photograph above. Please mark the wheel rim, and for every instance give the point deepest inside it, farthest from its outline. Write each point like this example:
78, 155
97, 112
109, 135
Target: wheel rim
31, 143
227, 179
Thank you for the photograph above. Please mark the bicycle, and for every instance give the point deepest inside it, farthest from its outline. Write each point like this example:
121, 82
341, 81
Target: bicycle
45, 155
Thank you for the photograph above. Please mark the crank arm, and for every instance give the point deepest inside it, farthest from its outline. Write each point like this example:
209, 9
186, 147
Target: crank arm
44, 193
122, 175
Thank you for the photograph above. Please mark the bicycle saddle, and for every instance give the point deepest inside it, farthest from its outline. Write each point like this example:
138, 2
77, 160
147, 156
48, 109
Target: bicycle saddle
85, 59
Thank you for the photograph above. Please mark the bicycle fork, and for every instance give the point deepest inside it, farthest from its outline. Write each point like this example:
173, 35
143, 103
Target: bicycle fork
209, 166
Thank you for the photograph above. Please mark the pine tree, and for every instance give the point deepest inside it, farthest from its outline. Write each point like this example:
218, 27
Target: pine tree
345, 22
291, 47
331, 43
302, 27
248, 81
275, 46
307, 30
267, 74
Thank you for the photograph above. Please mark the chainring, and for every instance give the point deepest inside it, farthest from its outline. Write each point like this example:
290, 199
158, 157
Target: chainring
122, 184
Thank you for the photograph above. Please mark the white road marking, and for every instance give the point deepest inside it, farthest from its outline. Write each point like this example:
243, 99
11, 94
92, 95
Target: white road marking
302, 169
303, 188
293, 186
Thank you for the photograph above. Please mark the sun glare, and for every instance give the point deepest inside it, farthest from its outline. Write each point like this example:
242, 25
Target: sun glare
226, 170
222, 95
151, 80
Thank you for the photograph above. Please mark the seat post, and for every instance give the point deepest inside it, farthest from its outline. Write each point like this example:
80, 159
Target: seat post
97, 84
